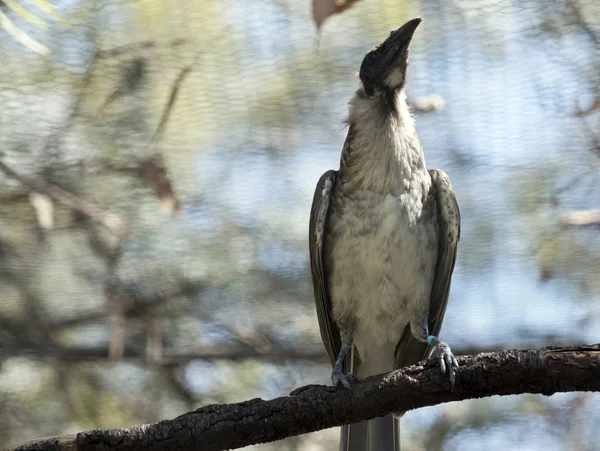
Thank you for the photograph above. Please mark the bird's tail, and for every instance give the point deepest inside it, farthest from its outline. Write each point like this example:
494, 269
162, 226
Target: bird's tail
378, 434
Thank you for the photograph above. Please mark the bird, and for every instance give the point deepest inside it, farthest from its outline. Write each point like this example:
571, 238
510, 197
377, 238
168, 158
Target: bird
383, 238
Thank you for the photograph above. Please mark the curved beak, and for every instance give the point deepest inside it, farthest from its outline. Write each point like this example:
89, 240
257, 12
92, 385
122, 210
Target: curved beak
399, 39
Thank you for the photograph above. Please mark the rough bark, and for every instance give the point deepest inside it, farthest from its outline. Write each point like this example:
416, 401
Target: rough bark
218, 427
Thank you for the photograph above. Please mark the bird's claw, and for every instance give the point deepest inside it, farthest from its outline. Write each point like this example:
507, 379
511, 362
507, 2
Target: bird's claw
338, 377
443, 353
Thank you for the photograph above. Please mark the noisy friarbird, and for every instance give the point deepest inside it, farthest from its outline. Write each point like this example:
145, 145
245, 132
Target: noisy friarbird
383, 237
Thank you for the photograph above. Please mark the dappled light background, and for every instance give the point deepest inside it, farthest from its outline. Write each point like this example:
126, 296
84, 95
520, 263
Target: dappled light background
157, 171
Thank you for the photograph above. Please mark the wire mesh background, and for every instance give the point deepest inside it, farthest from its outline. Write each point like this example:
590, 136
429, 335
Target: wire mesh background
211, 302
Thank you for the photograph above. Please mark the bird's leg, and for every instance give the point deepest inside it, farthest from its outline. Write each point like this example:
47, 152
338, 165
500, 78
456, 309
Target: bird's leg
338, 376
441, 350
443, 353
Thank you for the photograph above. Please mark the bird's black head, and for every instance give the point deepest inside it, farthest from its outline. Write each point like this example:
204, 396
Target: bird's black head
385, 67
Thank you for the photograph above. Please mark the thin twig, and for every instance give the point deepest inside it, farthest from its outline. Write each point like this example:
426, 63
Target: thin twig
164, 119
112, 222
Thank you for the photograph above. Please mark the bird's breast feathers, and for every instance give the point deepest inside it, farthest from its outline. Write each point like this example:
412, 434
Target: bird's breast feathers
382, 260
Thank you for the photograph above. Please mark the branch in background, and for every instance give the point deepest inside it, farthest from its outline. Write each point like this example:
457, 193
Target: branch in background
102, 54
589, 217
233, 350
164, 119
112, 222
55, 139
579, 19
426, 104
20, 341
169, 356
137, 47
591, 134
315, 407
125, 301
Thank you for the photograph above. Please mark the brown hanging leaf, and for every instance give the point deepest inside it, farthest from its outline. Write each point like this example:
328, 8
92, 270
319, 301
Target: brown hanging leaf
154, 172
322, 9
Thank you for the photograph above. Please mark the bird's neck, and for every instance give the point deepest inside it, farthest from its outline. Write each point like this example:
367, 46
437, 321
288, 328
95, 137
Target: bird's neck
382, 152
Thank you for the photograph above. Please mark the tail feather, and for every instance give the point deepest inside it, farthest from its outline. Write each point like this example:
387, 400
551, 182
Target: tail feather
354, 437
384, 434
378, 434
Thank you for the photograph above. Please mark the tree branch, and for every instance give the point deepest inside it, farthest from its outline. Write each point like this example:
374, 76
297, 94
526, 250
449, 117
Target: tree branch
589, 217
112, 222
314, 407
137, 47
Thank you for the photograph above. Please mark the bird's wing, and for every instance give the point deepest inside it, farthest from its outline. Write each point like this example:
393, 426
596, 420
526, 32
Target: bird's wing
318, 220
410, 350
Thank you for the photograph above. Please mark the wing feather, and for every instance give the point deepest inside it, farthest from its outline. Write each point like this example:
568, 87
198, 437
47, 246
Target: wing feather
318, 221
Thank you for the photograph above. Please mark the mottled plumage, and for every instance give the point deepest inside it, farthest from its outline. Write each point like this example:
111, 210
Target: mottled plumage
383, 237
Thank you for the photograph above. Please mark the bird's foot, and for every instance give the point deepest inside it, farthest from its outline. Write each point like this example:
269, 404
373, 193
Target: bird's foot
443, 353
338, 377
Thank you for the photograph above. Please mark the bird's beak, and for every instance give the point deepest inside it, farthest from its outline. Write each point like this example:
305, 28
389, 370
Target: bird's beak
399, 40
